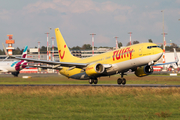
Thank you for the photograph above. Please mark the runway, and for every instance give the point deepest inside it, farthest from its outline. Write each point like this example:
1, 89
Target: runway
97, 85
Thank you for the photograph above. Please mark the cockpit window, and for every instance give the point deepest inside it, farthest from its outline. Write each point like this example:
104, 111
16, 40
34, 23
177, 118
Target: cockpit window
149, 47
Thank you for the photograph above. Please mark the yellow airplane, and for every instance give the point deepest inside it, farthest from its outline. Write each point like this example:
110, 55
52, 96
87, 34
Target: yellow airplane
139, 58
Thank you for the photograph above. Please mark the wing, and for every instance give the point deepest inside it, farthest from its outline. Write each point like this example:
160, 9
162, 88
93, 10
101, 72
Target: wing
175, 57
56, 64
46, 67
163, 63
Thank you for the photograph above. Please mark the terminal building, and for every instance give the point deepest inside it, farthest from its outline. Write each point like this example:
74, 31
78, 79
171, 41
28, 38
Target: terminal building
33, 54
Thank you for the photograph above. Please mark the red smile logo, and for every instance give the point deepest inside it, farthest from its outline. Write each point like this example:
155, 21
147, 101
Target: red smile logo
62, 56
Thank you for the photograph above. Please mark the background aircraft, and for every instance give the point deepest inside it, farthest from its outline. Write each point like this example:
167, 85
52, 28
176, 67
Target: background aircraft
139, 58
14, 66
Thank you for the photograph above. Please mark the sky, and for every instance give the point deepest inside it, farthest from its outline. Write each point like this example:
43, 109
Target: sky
29, 20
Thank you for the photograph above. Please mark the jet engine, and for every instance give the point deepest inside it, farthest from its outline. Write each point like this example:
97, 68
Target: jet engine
94, 69
21, 65
144, 71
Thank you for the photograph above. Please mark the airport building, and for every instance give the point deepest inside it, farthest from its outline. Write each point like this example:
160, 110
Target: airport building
33, 54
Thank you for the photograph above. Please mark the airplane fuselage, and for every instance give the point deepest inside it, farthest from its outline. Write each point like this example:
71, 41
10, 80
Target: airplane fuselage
11, 66
120, 60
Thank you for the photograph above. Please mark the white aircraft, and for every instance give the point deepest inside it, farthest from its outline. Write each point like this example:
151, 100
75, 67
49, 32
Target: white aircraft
14, 67
139, 58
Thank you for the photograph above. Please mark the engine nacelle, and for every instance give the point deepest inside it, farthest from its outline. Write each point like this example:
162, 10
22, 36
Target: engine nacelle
23, 65
94, 69
20, 65
144, 71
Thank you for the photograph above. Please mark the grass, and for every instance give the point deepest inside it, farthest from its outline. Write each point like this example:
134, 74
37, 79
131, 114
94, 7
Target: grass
76, 103
73, 102
130, 78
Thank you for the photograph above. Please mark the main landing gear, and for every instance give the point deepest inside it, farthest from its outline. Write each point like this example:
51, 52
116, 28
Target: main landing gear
15, 74
95, 81
121, 80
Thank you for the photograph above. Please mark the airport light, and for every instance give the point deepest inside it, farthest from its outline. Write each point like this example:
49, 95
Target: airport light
116, 43
164, 41
52, 48
47, 46
92, 43
164, 46
130, 37
39, 69
38, 50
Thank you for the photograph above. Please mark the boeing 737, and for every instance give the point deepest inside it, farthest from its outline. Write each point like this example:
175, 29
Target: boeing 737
139, 58
14, 66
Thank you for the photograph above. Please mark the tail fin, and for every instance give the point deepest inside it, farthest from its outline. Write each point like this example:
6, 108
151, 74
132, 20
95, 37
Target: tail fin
176, 57
24, 54
64, 52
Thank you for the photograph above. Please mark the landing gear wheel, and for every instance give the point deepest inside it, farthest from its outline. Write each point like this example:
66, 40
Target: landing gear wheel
119, 81
95, 81
123, 81
15, 74
91, 81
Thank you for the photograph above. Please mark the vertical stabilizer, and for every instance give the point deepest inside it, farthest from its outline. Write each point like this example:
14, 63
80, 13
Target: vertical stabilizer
64, 52
176, 57
24, 54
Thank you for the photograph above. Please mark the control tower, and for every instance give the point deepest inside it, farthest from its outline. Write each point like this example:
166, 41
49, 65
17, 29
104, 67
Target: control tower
10, 42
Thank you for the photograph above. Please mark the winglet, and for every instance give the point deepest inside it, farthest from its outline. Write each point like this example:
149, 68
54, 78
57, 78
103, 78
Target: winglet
176, 57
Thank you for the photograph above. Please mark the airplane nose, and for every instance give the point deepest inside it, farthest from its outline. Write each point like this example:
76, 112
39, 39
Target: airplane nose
159, 51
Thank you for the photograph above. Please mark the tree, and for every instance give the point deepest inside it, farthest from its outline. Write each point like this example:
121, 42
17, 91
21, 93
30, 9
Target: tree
120, 45
173, 45
55, 48
2, 52
128, 44
167, 48
17, 51
136, 42
76, 48
150, 41
86, 47
43, 49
